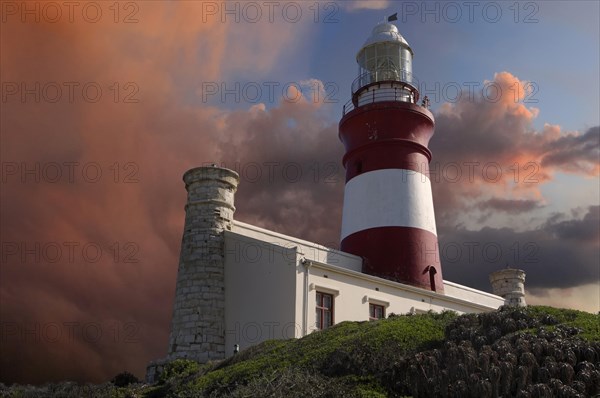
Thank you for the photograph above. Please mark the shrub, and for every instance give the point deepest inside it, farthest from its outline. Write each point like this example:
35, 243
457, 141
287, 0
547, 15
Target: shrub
124, 379
180, 368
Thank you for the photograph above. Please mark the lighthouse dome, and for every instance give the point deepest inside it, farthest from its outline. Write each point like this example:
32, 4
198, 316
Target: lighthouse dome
385, 32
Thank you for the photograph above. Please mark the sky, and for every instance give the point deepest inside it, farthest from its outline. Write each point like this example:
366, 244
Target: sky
105, 105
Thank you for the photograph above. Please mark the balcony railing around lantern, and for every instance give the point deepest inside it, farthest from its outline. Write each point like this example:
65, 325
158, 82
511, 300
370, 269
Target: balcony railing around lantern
383, 75
383, 85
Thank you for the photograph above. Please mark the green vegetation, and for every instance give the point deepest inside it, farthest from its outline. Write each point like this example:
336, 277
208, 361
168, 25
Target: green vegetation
178, 369
533, 351
588, 323
124, 379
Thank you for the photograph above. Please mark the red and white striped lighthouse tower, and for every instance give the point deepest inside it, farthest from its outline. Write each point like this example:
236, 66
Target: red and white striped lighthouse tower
388, 217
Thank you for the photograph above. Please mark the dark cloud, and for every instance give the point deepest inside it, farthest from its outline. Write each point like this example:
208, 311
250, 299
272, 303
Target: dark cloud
291, 175
560, 254
576, 153
511, 206
586, 230
87, 319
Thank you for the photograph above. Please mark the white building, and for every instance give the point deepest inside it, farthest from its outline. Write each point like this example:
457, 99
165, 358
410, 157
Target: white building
239, 285
277, 285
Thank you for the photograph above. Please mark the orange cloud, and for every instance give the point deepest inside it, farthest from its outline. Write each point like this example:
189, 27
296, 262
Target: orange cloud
121, 159
366, 4
500, 153
119, 153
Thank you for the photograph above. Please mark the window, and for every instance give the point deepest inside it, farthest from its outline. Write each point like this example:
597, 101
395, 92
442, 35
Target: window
376, 312
324, 310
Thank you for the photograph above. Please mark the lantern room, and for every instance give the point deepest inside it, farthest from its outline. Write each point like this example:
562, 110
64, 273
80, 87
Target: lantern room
384, 68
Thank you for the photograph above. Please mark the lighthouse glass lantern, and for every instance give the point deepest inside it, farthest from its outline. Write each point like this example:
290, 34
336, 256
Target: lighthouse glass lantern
385, 68
388, 216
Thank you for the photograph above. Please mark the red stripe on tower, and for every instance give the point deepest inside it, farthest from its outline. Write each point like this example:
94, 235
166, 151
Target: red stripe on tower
388, 217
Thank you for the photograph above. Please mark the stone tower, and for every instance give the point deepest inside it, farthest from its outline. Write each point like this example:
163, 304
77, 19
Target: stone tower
198, 326
509, 283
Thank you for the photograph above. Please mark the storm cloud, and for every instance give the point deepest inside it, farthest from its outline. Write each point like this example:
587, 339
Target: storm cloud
92, 198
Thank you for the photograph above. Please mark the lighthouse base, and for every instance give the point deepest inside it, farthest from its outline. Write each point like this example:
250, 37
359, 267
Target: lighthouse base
402, 254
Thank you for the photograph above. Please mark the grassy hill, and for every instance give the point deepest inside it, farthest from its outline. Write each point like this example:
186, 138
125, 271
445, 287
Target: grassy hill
524, 352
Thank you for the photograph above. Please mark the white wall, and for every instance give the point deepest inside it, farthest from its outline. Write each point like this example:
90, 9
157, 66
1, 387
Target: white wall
260, 291
353, 292
477, 296
276, 289
306, 249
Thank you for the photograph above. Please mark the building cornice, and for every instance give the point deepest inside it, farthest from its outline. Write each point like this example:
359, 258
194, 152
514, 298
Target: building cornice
401, 286
301, 242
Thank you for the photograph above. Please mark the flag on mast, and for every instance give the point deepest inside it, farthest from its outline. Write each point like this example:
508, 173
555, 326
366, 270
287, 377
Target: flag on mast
393, 17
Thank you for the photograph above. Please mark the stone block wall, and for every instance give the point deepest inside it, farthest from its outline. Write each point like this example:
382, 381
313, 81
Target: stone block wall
198, 325
509, 283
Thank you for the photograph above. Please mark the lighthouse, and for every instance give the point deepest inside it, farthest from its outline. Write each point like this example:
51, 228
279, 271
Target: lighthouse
388, 217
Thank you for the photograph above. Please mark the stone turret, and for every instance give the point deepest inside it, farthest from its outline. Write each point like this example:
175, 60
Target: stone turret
198, 325
509, 283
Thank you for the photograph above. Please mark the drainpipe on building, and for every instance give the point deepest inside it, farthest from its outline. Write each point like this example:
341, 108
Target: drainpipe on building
305, 304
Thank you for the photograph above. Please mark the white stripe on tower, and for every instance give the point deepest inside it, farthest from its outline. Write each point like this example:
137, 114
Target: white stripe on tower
388, 198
